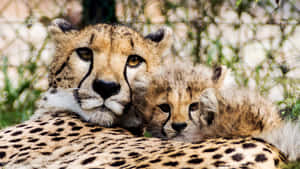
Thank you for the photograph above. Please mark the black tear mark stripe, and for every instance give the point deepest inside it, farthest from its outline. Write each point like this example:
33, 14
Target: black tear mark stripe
62, 66
166, 121
92, 38
89, 71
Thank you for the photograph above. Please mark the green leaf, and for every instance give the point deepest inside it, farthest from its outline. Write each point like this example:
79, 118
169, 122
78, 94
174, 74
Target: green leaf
238, 2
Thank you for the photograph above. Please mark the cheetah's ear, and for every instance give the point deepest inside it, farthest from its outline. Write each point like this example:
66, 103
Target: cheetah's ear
219, 74
163, 37
58, 28
209, 106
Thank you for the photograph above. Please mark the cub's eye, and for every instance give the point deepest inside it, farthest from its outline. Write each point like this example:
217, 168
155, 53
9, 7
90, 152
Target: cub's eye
194, 106
165, 108
134, 60
85, 53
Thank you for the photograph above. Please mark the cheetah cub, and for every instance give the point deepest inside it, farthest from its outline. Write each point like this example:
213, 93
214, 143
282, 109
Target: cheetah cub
187, 103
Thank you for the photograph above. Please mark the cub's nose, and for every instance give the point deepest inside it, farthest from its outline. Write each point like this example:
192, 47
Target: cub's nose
106, 88
178, 126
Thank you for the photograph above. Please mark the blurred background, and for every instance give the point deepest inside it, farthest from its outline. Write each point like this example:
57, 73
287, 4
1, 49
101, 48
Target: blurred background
258, 40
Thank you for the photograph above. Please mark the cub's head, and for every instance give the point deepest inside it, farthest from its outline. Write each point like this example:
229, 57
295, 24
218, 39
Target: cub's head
175, 98
99, 62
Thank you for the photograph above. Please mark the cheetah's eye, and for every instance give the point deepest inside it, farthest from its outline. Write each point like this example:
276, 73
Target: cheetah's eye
134, 60
85, 53
194, 106
165, 108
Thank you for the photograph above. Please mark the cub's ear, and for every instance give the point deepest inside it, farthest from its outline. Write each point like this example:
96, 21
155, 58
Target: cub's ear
209, 106
59, 27
163, 37
219, 74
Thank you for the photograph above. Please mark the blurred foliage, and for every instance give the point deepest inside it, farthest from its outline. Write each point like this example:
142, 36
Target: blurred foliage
18, 103
292, 165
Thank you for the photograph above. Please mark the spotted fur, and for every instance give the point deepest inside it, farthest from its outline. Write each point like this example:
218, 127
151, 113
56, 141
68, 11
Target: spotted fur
63, 140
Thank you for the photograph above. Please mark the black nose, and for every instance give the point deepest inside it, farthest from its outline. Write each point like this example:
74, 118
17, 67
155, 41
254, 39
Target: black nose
106, 88
178, 126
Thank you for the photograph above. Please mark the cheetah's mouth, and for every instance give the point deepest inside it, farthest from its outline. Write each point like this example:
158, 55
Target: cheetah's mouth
89, 101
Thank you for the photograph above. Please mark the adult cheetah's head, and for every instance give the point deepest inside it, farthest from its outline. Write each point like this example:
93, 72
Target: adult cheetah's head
99, 62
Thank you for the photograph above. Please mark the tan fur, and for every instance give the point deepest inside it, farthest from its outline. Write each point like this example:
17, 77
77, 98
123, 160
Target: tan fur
111, 46
62, 140
220, 113
240, 112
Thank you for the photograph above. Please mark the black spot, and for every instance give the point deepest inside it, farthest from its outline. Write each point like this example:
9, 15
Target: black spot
16, 133
210, 150
265, 149
88, 160
229, 150
74, 134
46, 153
25, 148
71, 123
220, 142
143, 166
7, 131
15, 140
43, 133
20, 160
194, 156
58, 138
60, 130
260, 158
171, 163
41, 144
196, 161
36, 130
115, 152
177, 154
155, 161
244, 167
248, 145
118, 163
196, 147
217, 156
23, 154
33, 140
219, 163
168, 151
21, 125
17, 146
238, 142
134, 154
237, 157
2, 154
76, 128
3, 147
96, 129
59, 122
276, 162
53, 134
44, 123
141, 139
141, 159
87, 144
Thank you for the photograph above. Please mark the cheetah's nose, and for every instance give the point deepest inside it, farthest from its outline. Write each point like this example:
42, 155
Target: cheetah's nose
106, 88
178, 126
